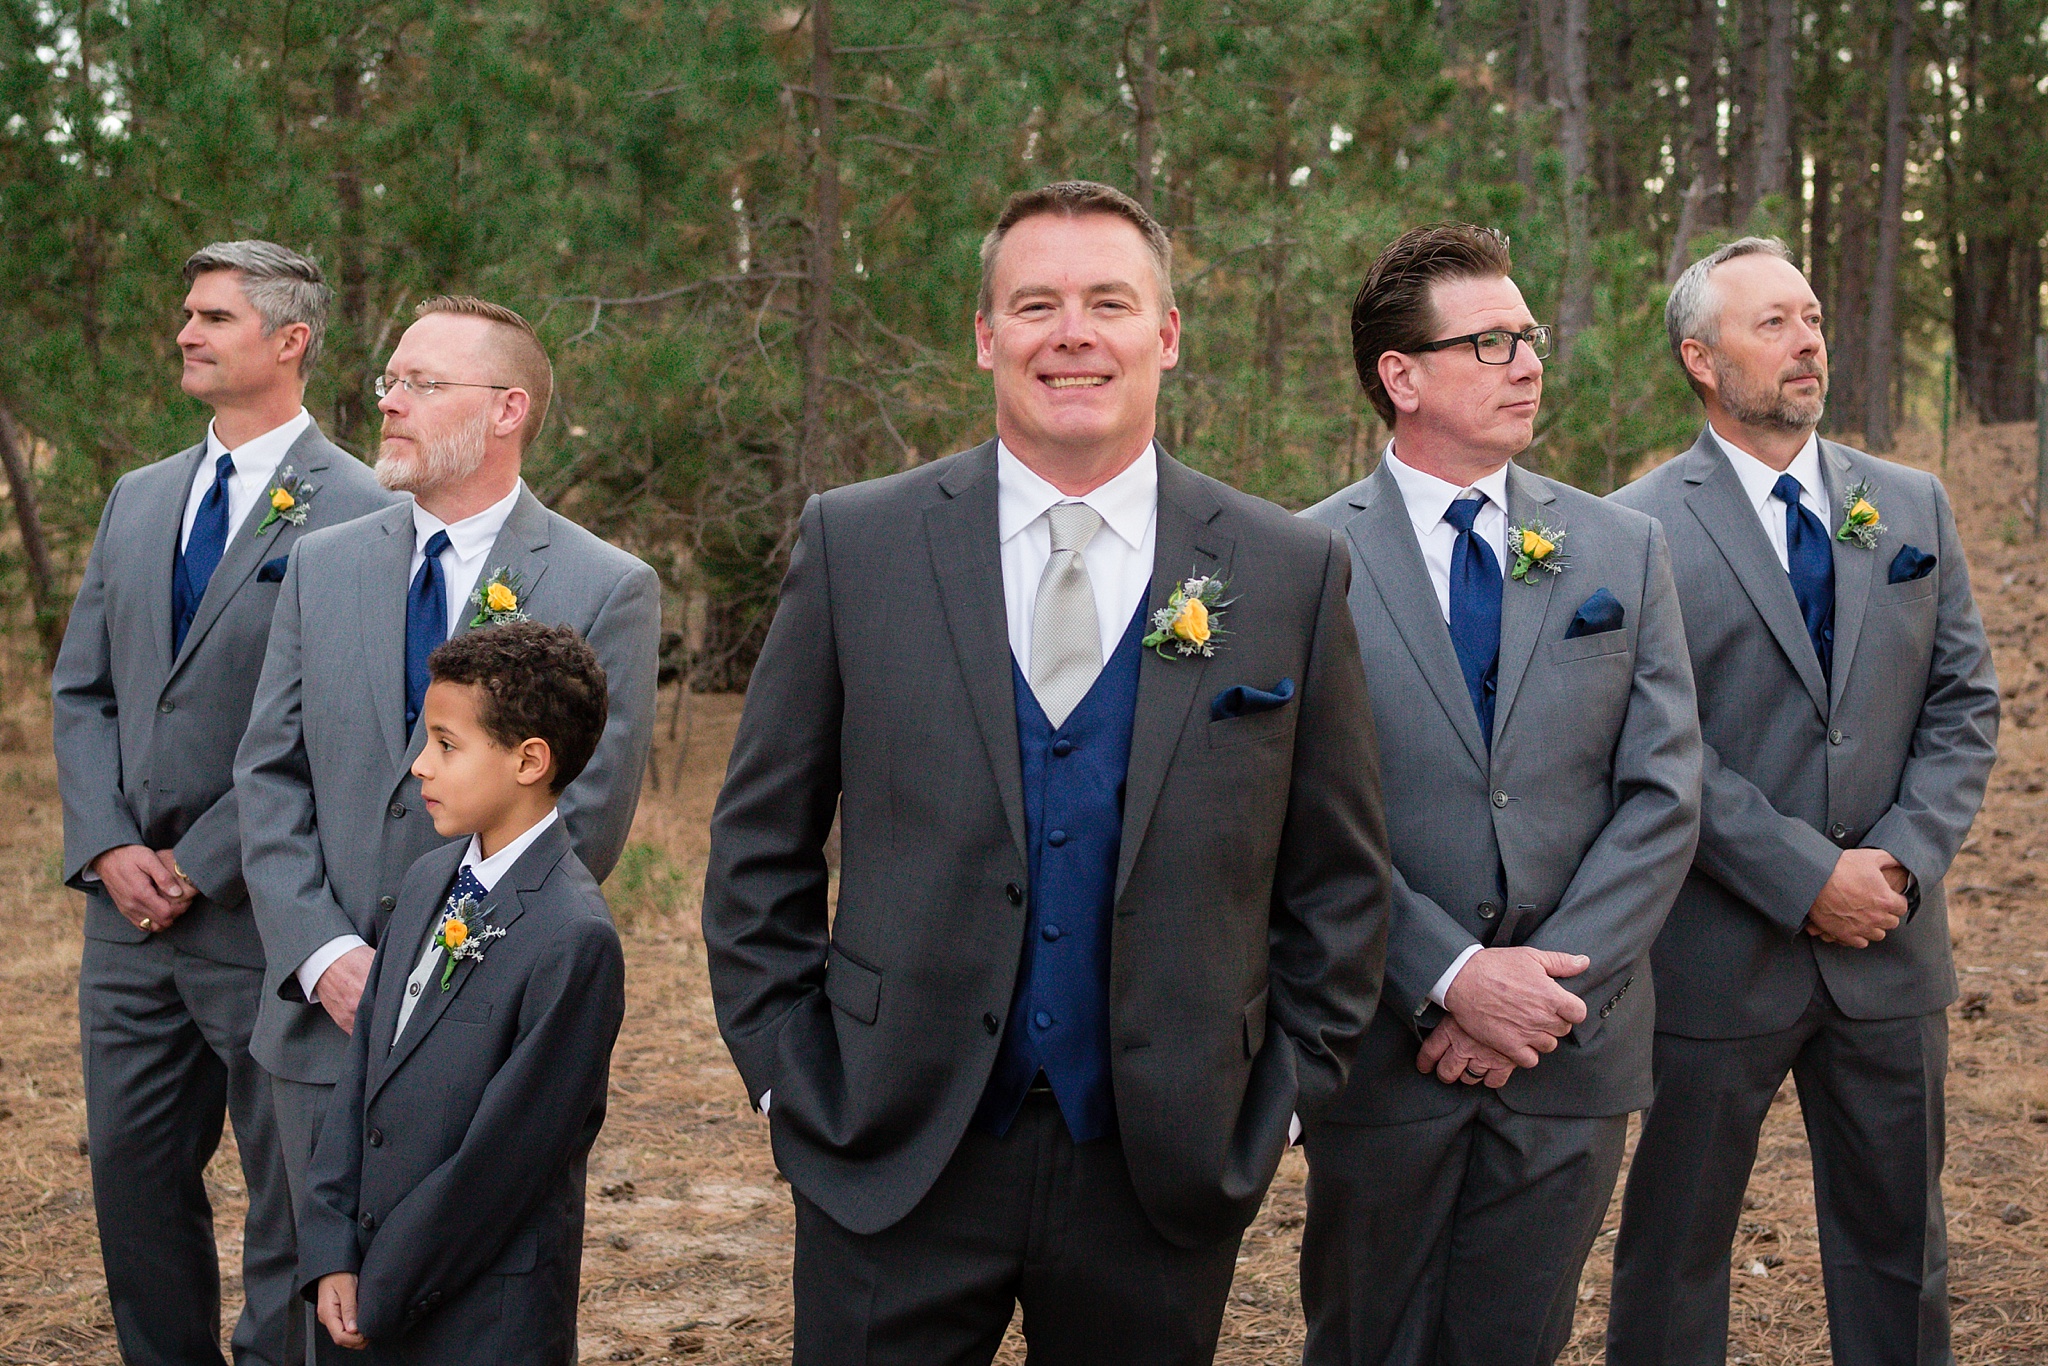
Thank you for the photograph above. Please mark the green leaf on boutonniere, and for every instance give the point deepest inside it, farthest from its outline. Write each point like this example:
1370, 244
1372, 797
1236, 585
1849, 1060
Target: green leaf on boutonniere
497, 599
1860, 523
1191, 623
1537, 546
290, 497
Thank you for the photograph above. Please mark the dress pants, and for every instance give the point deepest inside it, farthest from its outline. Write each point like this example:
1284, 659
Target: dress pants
301, 1107
165, 1045
1031, 1217
1452, 1241
1871, 1095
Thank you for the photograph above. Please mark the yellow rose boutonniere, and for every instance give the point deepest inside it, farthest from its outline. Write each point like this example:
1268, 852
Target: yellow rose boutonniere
496, 599
1860, 523
1536, 546
290, 498
1191, 623
463, 936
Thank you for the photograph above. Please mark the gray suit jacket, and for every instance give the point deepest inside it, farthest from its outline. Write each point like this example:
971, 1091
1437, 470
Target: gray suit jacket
335, 816
1892, 754
449, 1171
1251, 894
146, 741
1587, 804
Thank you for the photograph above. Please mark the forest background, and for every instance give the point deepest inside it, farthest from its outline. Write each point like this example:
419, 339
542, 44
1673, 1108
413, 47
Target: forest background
748, 230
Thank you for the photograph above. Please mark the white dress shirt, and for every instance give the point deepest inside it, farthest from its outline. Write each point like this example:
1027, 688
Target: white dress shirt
256, 462
486, 871
1428, 498
1759, 481
469, 541
1119, 558
462, 563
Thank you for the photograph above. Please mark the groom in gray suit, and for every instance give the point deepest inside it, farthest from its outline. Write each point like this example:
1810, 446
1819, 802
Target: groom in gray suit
151, 691
334, 813
1541, 758
1850, 713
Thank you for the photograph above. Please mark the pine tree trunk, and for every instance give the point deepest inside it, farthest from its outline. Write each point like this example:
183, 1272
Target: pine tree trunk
1774, 135
1882, 332
1146, 93
35, 547
813, 459
1566, 29
1743, 113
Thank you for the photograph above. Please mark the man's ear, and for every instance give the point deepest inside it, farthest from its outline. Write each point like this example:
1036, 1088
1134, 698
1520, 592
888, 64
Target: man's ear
536, 761
1698, 361
1399, 376
512, 416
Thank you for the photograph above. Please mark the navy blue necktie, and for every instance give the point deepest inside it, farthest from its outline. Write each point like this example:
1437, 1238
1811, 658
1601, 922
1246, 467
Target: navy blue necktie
426, 625
466, 885
201, 553
1811, 562
1475, 610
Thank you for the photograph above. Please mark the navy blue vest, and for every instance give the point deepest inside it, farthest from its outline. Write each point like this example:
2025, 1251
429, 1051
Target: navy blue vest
1073, 826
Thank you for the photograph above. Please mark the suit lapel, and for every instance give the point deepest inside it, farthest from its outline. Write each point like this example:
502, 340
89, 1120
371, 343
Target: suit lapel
1525, 602
381, 584
165, 555
962, 536
404, 939
502, 907
1186, 544
1729, 518
1854, 565
518, 550
1384, 539
247, 549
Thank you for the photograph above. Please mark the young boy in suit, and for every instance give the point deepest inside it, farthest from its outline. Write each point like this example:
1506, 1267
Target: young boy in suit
444, 1219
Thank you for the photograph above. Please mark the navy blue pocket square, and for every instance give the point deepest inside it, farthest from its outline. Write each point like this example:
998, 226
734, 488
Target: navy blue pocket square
272, 570
1243, 701
1911, 563
1601, 612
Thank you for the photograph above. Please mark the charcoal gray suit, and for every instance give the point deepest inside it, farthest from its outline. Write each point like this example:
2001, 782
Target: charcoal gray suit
335, 816
145, 755
1891, 752
1244, 946
449, 1171
1571, 831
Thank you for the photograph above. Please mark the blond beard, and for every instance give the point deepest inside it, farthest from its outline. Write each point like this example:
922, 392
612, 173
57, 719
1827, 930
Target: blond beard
1770, 409
444, 459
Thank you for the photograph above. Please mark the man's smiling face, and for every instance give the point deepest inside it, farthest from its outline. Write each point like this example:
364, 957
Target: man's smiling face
1076, 336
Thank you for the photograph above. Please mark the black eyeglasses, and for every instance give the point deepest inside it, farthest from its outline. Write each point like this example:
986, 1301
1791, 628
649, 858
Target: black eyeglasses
1496, 347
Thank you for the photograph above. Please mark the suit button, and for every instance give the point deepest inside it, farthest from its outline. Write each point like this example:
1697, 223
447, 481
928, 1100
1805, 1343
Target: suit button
1055, 838
1042, 1019
1049, 933
1014, 893
1062, 748
1500, 799
990, 1022
1487, 910
1838, 831
1834, 737
376, 1138
369, 1222
434, 1297
387, 903
397, 811
166, 707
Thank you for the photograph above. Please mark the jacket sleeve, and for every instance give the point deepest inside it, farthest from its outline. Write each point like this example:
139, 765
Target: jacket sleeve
1955, 740
1423, 940
544, 1104
327, 1215
765, 924
626, 637
1625, 884
294, 904
87, 724
1332, 878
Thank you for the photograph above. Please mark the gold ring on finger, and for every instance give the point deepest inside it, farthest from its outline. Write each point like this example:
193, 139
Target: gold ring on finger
148, 924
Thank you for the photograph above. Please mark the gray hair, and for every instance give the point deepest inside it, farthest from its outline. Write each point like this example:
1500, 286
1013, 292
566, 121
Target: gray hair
1694, 309
283, 286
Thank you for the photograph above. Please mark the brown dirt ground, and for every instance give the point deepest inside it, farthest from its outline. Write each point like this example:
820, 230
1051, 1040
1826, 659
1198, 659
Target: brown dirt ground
688, 1242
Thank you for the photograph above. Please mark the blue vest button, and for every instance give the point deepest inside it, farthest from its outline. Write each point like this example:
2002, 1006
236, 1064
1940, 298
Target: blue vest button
1049, 933
1042, 1020
1055, 838
1062, 748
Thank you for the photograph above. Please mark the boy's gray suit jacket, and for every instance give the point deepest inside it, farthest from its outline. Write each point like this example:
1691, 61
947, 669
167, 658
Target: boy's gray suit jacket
449, 1170
145, 738
1892, 752
333, 813
1586, 806
1251, 889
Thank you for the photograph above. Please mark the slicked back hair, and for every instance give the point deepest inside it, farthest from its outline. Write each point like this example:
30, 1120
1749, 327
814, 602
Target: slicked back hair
282, 285
533, 682
1694, 309
527, 359
1073, 199
1392, 310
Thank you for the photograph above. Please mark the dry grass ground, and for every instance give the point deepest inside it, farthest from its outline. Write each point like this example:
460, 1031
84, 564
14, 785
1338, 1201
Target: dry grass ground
688, 1243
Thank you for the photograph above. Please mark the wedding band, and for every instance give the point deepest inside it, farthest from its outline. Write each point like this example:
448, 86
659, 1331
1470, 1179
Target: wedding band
1475, 1075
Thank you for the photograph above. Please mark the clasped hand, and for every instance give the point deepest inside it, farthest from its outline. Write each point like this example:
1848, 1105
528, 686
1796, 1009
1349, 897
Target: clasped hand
1864, 899
145, 885
337, 1310
1506, 1011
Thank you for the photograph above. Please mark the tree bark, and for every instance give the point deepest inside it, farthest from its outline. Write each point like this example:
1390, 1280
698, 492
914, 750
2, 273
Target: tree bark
1703, 150
35, 546
351, 407
1276, 254
1743, 112
1882, 331
1566, 28
1146, 92
813, 457
1525, 96
1774, 134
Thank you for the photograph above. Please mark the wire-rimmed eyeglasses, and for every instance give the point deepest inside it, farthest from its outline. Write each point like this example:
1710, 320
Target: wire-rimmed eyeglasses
384, 384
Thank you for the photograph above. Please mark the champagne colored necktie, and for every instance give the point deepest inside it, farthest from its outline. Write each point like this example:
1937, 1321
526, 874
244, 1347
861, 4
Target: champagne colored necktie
1066, 641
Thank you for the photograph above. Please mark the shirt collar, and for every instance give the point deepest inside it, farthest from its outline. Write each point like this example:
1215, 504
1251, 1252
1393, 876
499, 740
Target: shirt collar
1429, 497
1759, 479
489, 870
471, 536
1127, 502
258, 458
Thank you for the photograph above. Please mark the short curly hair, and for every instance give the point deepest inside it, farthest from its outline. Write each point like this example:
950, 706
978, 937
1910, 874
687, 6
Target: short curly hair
537, 682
